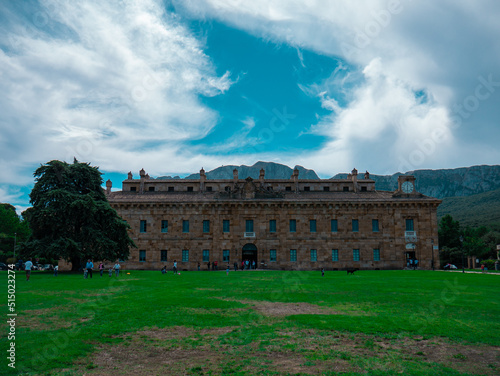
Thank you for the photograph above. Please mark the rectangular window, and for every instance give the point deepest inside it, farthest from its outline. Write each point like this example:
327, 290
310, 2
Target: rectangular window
355, 225
375, 225
314, 255
334, 225
376, 255
326, 189
345, 189
209, 189
272, 225
143, 226
190, 189
272, 255
312, 225
288, 189
225, 225
307, 189
335, 255
170, 189
151, 189
249, 225
355, 254
206, 255
225, 255
164, 226
185, 226
142, 255
185, 255
293, 255
163, 255
293, 225
206, 226
409, 225
133, 189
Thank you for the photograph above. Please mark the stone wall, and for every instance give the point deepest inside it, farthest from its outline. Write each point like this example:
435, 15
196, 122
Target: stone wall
390, 239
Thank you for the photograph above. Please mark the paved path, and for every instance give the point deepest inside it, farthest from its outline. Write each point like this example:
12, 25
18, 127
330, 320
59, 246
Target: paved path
468, 271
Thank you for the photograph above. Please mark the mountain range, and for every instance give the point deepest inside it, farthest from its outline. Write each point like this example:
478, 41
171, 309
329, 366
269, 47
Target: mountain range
272, 171
465, 181
470, 194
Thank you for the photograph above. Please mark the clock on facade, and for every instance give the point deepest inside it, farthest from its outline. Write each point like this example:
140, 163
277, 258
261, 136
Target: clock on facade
407, 187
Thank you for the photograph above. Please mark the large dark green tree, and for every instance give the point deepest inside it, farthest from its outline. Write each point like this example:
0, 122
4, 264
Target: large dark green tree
13, 229
451, 250
449, 232
70, 217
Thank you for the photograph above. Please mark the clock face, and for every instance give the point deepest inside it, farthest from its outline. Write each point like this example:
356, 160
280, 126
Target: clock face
407, 187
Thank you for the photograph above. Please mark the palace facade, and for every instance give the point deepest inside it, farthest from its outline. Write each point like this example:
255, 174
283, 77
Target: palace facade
291, 224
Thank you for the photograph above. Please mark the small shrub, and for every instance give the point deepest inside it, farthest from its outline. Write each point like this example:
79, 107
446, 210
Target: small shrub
490, 264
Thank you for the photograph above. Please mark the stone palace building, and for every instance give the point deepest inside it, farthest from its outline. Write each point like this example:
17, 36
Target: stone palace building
291, 224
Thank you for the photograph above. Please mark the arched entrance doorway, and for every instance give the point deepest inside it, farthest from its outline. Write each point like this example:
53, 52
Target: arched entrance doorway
249, 252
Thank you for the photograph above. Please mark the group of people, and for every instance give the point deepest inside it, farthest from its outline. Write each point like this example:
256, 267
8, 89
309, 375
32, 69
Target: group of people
174, 268
215, 265
412, 263
90, 266
28, 265
247, 264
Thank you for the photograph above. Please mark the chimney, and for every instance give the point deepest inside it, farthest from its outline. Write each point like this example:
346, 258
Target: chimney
295, 178
354, 174
203, 178
130, 176
261, 175
142, 174
354, 177
109, 184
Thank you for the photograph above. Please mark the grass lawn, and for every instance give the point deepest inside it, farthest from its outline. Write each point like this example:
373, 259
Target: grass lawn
257, 323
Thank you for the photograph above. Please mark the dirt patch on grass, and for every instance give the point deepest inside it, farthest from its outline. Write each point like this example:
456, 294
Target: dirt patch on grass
287, 309
43, 319
226, 350
280, 309
475, 359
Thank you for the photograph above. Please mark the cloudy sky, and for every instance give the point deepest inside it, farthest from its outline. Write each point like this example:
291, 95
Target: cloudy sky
173, 86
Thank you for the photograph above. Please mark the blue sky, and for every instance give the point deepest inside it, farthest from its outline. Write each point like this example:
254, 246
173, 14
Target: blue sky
173, 86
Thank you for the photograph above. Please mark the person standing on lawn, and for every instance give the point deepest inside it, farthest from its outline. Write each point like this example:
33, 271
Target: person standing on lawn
27, 267
89, 267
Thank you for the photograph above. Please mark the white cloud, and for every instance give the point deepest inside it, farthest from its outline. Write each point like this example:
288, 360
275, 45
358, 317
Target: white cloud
90, 79
440, 48
119, 86
384, 119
